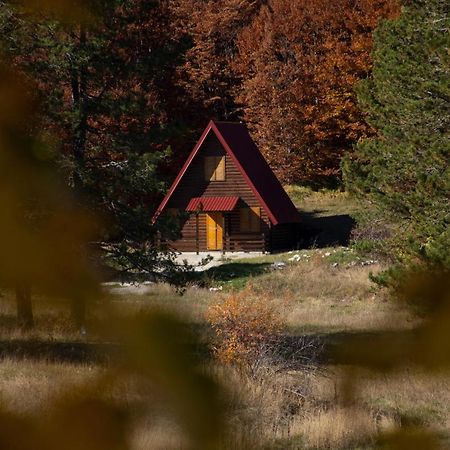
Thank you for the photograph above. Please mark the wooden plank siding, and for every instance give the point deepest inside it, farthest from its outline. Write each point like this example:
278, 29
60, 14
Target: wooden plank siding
193, 184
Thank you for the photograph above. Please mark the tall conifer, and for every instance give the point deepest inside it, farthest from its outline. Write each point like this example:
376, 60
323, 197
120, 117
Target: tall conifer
104, 85
404, 171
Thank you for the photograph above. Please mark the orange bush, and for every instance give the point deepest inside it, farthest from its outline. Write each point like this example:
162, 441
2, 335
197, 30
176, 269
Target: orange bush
247, 327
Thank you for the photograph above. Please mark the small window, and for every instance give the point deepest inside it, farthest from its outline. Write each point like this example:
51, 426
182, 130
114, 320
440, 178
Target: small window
215, 168
250, 220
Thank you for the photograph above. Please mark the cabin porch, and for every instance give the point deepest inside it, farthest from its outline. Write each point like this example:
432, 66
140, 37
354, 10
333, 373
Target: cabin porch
222, 232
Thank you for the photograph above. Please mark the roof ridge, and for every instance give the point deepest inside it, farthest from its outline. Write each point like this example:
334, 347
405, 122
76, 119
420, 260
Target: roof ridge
253, 167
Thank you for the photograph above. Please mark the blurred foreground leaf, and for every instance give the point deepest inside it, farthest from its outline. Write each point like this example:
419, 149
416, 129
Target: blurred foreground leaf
409, 440
43, 230
163, 350
67, 11
44, 233
428, 345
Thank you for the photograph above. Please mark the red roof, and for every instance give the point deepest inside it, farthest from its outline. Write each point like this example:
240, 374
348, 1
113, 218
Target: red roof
237, 142
212, 204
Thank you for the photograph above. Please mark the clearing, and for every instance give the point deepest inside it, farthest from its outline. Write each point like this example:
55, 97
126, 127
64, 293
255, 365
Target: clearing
323, 293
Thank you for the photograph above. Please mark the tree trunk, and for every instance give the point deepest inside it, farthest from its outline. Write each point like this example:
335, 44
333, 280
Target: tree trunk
80, 99
24, 307
79, 312
79, 86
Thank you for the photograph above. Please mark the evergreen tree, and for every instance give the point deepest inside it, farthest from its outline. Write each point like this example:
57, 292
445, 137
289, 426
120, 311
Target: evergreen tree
106, 86
103, 84
404, 171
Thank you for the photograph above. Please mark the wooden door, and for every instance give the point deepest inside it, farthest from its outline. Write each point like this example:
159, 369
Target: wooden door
214, 231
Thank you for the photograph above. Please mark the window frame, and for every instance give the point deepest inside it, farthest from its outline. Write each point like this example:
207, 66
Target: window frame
252, 219
214, 168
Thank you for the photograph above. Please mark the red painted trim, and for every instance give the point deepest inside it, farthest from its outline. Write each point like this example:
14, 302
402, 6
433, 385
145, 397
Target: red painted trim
236, 161
208, 204
212, 126
182, 172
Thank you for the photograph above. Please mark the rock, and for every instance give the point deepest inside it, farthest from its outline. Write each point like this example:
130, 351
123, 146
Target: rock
368, 262
215, 289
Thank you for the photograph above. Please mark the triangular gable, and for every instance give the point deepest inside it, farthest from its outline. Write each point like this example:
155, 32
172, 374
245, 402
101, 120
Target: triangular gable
236, 141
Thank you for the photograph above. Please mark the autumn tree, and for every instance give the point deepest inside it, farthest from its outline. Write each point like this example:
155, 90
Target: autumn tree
213, 28
298, 62
104, 86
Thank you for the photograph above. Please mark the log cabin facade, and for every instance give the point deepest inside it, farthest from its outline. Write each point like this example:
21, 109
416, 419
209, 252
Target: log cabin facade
233, 200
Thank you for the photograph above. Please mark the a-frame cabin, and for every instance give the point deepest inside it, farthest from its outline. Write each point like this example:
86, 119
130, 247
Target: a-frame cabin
233, 199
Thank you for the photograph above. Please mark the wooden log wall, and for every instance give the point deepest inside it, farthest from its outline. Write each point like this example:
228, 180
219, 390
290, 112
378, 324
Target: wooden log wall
193, 184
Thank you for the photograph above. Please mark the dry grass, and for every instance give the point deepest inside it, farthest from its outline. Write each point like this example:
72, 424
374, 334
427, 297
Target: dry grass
336, 428
317, 297
316, 278
413, 394
307, 411
296, 410
31, 388
53, 321
323, 201
385, 401
27, 387
326, 292
191, 304
156, 433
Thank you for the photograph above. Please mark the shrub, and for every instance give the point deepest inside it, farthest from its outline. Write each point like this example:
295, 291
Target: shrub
247, 329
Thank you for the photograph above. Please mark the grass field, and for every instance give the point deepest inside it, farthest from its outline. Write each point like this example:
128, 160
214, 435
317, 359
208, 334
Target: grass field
322, 292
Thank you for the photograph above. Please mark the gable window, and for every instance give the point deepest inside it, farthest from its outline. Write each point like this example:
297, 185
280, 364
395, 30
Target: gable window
250, 220
215, 168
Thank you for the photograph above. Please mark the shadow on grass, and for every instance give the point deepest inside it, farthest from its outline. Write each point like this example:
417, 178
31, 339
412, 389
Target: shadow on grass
293, 351
326, 231
382, 349
57, 351
8, 322
99, 352
234, 273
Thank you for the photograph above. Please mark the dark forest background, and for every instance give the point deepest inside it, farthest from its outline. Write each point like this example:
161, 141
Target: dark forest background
146, 75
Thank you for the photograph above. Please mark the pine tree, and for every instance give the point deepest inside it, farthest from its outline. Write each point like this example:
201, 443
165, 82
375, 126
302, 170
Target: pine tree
105, 86
404, 171
104, 90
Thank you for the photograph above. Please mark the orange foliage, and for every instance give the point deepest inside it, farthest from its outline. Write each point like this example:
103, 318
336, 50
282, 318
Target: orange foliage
247, 327
299, 61
207, 75
288, 68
